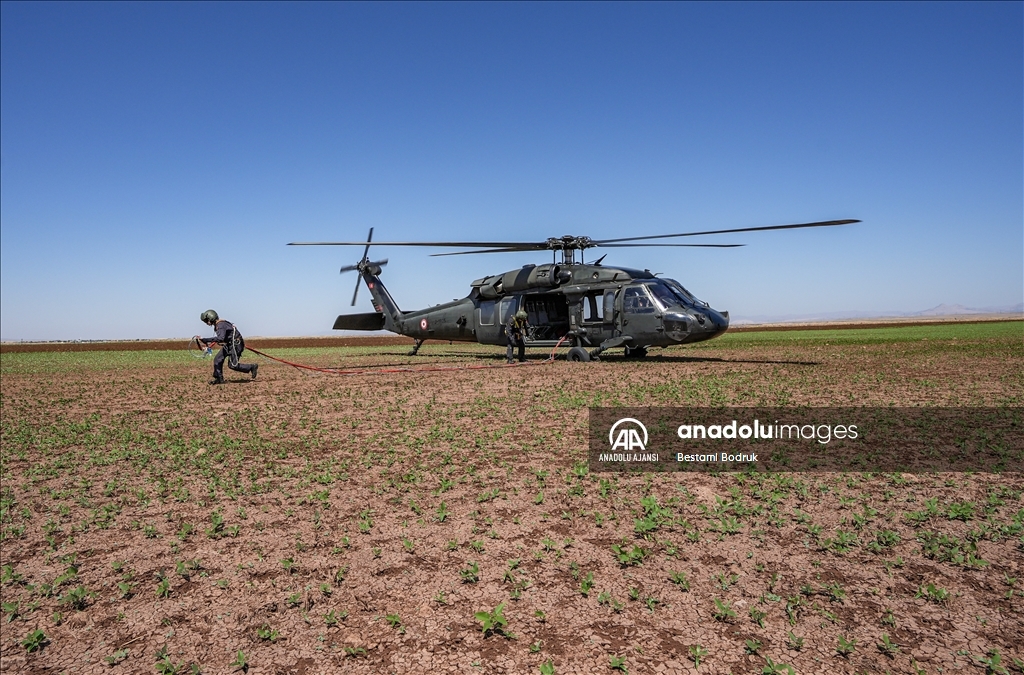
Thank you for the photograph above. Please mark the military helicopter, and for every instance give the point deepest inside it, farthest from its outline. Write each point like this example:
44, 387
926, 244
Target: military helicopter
590, 307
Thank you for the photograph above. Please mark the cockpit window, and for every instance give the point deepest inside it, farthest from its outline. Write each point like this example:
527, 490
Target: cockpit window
636, 301
663, 295
683, 294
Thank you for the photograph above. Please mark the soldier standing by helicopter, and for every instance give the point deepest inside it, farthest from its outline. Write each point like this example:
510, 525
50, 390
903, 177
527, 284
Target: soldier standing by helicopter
515, 331
232, 346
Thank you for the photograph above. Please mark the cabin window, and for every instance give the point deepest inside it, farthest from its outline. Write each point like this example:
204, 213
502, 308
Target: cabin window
593, 307
487, 313
636, 301
609, 305
507, 308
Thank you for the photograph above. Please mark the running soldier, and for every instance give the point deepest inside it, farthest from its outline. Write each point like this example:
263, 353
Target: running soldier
232, 346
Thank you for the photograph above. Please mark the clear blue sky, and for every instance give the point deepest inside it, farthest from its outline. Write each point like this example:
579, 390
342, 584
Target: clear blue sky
156, 158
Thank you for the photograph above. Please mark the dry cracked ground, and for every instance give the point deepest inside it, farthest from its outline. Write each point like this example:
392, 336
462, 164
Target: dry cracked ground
445, 520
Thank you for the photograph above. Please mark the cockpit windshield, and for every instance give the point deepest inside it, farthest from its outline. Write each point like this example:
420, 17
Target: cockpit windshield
665, 297
682, 293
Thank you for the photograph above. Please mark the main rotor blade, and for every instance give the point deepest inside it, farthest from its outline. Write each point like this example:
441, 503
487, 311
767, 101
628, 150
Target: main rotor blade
689, 245
523, 245
824, 223
355, 293
487, 250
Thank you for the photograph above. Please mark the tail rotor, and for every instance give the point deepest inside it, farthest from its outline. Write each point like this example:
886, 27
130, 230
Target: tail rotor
364, 264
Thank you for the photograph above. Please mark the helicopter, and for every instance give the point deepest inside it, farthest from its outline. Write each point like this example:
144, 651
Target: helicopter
589, 306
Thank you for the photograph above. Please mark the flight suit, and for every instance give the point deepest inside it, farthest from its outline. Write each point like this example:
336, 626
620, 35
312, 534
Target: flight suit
515, 331
232, 346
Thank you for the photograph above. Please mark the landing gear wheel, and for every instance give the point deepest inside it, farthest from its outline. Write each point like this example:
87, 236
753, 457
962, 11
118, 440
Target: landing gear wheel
636, 352
577, 354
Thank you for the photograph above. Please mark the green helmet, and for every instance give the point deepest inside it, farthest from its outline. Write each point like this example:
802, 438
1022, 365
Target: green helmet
521, 315
209, 316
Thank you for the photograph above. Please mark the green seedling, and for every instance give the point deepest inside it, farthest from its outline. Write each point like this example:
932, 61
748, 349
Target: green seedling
471, 574
340, 575
124, 590
617, 663
629, 557
333, 618
795, 643
241, 662
547, 668
408, 544
77, 598
697, 654
932, 593
835, 592
493, 621
724, 611
680, 580
354, 651
846, 647
69, 575
751, 646
758, 616
294, 600
167, 667
9, 576
216, 529
442, 513
887, 646
289, 564
394, 620
35, 641
773, 668
587, 584
267, 634
163, 587
993, 663
117, 657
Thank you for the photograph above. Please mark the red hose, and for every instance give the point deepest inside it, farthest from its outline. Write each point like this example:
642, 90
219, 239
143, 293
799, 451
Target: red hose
431, 369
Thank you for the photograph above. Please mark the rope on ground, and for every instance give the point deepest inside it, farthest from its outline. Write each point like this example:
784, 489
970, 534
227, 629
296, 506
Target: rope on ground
410, 369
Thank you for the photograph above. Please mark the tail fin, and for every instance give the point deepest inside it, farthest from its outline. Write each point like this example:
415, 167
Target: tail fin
383, 303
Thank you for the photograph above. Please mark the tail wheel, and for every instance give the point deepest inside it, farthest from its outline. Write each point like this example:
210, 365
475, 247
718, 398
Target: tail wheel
578, 354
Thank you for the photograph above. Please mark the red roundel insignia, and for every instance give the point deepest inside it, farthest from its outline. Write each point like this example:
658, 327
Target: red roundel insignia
423, 324
370, 285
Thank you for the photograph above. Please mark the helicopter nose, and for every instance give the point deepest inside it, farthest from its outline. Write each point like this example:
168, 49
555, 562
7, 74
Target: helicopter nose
720, 321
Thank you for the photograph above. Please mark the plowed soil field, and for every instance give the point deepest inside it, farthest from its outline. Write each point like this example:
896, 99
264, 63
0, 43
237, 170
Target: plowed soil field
441, 518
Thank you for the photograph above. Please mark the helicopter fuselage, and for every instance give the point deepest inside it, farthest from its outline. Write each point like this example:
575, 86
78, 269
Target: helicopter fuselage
587, 306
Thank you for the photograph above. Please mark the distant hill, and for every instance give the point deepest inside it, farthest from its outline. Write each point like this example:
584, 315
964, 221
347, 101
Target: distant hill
943, 310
